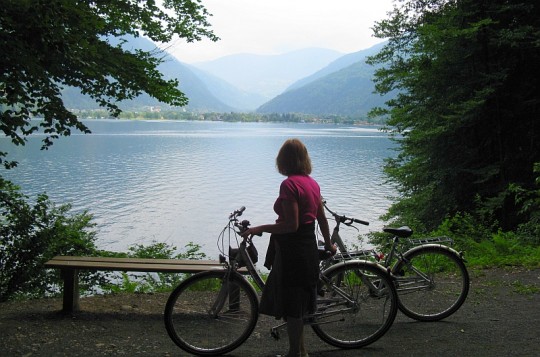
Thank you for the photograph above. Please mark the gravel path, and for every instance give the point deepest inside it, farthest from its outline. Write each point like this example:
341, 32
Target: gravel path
501, 317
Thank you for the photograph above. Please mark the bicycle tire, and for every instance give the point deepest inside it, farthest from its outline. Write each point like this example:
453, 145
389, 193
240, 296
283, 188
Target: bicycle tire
445, 289
211, 313
369, 313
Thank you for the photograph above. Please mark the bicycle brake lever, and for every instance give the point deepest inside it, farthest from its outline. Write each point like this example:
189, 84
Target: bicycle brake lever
349, 223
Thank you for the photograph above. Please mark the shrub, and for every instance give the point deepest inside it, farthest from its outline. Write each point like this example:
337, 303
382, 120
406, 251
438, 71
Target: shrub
31, 234
150, 282
484, 246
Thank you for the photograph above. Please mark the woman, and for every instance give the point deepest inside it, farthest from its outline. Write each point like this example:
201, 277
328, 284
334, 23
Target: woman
290, 290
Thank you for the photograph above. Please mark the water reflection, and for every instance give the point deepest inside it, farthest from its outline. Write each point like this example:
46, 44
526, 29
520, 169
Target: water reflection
177, 182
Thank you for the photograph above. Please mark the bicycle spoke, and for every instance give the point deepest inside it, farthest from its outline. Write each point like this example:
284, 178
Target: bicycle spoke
209, 316
362, 307
432, 283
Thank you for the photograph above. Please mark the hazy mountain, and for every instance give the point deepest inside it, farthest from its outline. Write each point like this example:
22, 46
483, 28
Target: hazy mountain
270, 75
227, 93
199, 93
323, 82
201, 98
348, 91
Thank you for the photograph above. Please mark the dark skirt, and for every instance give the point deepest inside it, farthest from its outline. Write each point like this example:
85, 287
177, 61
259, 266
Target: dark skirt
290, 289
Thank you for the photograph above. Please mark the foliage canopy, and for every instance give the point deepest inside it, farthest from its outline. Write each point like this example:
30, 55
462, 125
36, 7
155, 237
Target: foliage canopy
49, 44
468, 74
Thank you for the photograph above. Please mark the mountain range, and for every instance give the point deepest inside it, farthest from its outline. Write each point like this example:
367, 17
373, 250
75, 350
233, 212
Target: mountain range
313, 81
344, 87
268, 75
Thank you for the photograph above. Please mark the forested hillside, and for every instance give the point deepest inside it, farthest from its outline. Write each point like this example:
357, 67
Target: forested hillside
339, 64
349, 92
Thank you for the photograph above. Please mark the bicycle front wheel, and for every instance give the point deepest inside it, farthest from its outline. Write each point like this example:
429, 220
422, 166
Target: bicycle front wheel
211, 313
432, 283
358, 307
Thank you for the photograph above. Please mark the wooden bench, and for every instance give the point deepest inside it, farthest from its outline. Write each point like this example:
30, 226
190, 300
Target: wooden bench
70, 267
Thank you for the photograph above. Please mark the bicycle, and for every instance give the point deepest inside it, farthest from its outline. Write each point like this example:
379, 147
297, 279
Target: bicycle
431, 278
214, 312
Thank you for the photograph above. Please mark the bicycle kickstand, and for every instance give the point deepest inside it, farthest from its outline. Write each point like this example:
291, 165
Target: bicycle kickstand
274, 331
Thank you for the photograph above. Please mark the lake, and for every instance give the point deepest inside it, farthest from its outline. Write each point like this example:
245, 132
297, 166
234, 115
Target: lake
177, 181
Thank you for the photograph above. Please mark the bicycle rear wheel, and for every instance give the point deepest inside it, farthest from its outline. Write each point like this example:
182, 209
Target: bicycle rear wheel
359, 306
211, 313
432, 283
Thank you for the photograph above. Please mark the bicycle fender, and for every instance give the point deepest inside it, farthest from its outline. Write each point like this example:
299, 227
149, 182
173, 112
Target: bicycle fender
436, 246
355, 262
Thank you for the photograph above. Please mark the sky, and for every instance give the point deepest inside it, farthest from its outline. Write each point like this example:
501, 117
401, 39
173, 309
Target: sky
269, 27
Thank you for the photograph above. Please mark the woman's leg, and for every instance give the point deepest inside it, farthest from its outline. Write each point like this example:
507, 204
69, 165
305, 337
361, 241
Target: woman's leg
295, 330
303, 351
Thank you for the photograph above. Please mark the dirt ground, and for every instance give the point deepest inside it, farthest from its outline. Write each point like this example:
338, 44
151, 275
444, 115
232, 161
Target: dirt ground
501, 317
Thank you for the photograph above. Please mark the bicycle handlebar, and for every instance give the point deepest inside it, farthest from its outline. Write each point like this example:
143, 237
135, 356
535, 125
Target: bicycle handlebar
237, 213
355, 220
242, 226
344, 219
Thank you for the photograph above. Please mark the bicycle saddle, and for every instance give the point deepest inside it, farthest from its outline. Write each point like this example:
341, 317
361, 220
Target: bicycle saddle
402, 232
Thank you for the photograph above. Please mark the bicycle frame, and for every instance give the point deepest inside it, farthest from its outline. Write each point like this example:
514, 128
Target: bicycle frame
240, 257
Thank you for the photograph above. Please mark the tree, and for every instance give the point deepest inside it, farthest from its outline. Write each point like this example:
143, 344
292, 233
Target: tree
49, 44
466, 118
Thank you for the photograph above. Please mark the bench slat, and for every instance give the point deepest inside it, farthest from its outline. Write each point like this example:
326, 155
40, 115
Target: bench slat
136, 260
128, 266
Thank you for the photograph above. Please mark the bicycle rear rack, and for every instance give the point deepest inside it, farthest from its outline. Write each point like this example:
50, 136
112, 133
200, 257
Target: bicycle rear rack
430, 240
357, 254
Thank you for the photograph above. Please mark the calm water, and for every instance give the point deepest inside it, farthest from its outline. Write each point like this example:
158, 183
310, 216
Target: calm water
176, 182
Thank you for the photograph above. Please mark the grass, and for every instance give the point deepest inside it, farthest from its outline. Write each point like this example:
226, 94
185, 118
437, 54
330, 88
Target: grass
524, 289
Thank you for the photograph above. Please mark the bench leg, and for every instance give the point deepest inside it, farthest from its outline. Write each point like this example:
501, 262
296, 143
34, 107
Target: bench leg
71, 290
234, 297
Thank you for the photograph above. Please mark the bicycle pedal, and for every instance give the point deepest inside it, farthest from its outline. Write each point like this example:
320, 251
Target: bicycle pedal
274, 333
